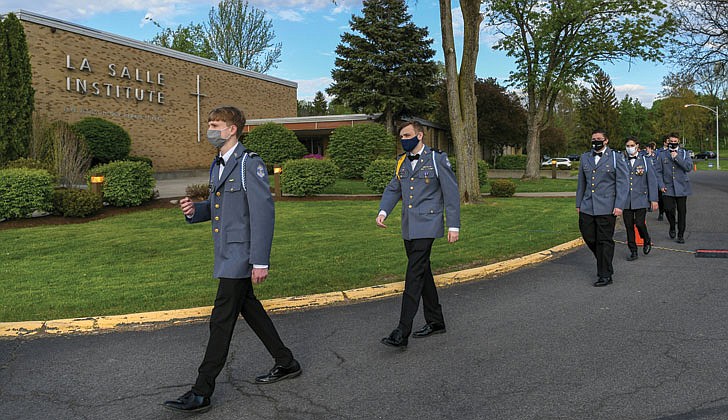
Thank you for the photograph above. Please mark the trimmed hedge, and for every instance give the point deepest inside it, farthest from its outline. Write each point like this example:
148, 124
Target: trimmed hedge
502, 188
301, 177
76, 203
379, 174
353, 148
126, 183
105, 140
511, 162
482, 172
23, 191
274, 143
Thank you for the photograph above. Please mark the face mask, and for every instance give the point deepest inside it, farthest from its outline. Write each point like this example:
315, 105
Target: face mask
215, 138
673, 146
409, 144
631, 150
597, 145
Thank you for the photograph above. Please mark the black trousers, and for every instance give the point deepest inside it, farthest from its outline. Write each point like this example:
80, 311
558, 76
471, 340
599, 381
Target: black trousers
234, 297
598, 234
419, 283
681, 204
660, 202
632, 218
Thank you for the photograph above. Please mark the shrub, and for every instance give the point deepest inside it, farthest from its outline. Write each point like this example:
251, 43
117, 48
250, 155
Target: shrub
379, 173
502, 188
76, 203
482, 172
307, 176
353, 148
106, 141
144, 159
28, 163
274, 143
23, 191
312, 156
511, 162
198, 191
126, 183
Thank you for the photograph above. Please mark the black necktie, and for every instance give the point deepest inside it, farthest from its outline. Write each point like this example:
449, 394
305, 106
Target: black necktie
220, 161
632, 157
597, 154
413, 157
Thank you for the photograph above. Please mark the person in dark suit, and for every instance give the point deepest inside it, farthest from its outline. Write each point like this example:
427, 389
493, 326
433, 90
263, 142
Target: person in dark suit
241, 209
642, 195
426, 184
601, 194
673, 167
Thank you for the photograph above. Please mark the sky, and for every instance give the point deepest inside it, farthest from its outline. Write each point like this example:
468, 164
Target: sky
309, 31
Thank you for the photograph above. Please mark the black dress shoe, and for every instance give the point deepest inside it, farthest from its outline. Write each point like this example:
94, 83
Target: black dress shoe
647, 248
279, 373
190, 402
680, 240
633, 256
672, 233
395, 339
428, 330
603, 281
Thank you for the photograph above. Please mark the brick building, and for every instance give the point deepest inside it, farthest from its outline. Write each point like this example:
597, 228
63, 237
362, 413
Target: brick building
160, 96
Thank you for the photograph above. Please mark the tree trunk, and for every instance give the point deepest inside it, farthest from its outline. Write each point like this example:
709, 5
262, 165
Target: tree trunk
536, 113
461, 94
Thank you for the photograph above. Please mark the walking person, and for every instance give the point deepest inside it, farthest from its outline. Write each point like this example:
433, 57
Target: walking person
642, 195
242, 214
673, 168
601, 194
660, 200
425, 182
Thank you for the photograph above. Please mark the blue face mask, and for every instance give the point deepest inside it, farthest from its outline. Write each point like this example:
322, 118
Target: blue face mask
409, 144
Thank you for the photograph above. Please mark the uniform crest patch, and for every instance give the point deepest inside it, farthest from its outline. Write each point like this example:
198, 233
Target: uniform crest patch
260, 171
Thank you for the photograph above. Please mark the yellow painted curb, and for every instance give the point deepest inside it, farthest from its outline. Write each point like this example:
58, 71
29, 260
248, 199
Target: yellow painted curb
148, 319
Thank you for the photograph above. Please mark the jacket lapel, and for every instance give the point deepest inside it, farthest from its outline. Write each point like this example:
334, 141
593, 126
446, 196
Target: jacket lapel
230, 164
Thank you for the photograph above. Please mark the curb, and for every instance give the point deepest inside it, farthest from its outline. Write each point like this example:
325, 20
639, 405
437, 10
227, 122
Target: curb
180, 316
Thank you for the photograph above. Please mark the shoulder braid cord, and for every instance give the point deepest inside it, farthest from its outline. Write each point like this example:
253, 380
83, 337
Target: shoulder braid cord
404, 156
242, 172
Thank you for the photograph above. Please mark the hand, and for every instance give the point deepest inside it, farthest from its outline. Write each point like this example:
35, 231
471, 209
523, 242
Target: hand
452, 236
655, 205
259, 275
187, 206
577, 210
664, 189
617, 212
673, 154
380, 221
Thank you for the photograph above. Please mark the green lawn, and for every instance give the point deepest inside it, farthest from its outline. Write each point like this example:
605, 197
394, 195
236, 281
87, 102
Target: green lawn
710, 164
153, 260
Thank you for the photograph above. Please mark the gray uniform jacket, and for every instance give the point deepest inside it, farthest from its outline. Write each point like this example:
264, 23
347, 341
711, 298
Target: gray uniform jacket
427, 192
642, 183
242, 215
602, 187
673, 173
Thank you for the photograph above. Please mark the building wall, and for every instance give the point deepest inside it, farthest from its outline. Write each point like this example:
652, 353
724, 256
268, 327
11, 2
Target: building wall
160, 112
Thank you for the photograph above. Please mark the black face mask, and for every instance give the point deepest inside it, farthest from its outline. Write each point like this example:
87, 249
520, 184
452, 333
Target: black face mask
673, 146
597, 145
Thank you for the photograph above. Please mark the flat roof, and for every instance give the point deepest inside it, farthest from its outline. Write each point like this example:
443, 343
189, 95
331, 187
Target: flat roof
27, 16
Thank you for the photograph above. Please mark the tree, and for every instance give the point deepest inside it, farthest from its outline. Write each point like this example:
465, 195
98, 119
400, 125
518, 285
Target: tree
553, 141
602, 108
190, 39
634, 121
501, 117
385, 64
703, 25
240, 35
319, 104
557, 42
461, 93
16, 91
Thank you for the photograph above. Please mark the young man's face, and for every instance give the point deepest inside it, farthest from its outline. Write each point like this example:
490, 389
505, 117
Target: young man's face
408, 132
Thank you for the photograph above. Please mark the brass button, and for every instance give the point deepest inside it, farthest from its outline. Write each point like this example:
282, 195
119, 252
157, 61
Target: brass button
412, 188
217, 206
411, 197
410, 206
217, 217
412, 179
592, 190
217, 193
217, 230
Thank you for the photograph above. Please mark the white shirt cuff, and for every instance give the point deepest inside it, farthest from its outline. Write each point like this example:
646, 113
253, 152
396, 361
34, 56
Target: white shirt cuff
382, 213
453, 229
260, 266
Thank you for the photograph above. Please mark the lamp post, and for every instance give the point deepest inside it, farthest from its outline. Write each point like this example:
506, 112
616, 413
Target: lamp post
717, 142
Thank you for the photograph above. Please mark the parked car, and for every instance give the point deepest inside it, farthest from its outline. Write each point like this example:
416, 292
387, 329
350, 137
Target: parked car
561, 163
705, 155
573, 157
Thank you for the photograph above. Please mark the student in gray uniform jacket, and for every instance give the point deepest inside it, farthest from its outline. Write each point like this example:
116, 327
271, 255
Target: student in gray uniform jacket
427, 186
601, 194
242, 214
642, 195
673, 167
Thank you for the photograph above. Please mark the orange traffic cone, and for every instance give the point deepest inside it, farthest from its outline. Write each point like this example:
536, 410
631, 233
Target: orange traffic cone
637, 238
